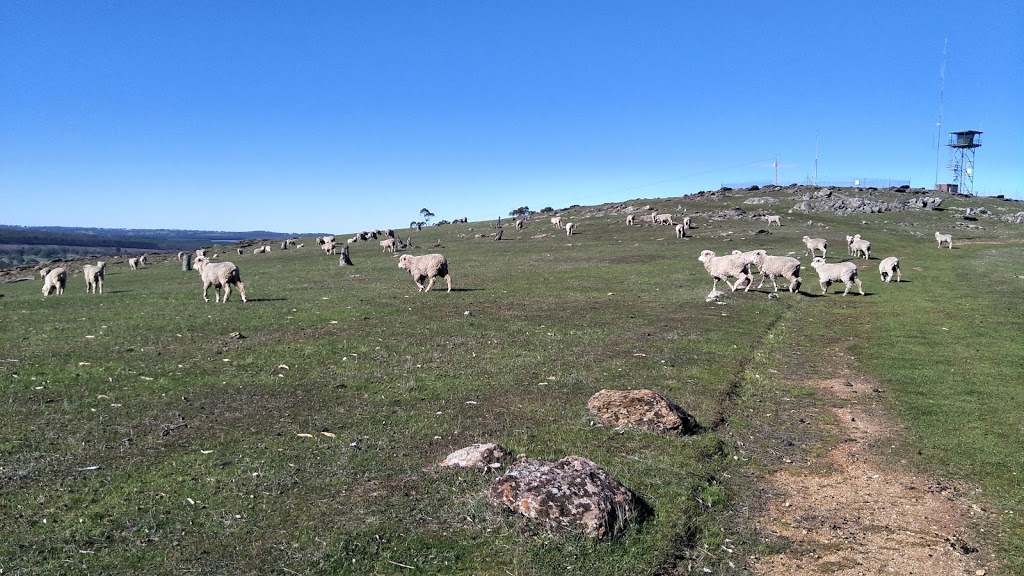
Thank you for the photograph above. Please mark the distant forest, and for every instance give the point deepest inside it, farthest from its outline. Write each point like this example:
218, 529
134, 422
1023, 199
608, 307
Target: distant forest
30, 245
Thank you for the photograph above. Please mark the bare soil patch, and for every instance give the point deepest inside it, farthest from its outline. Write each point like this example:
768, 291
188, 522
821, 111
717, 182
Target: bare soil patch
861, 514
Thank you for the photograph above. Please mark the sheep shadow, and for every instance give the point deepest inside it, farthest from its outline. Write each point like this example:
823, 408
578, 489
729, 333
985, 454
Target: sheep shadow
466, 289
266, 300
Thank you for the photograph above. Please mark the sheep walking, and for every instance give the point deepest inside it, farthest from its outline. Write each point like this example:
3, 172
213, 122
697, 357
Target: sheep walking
630, 219
663, 219
774, 220
94, 277
947, 238
859, 246
680, 231
428, 266
133, 263
219, 275
813, 244
748, 256
569, 228
385, 245
845, 272
54, 281
888, 267
773, 267
557, 222
687, 223
724, 267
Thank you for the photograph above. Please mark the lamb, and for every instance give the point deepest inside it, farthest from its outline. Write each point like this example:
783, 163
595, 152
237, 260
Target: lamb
557, 222
680, 231
774, 219
133, 263
386, 245
569, 228
774, 266
94, 276
430, 266
888, 267
815, 244
845, 272
630, 219
722, 267
219, 275
663, 219
947, 238
55, 280
860, 246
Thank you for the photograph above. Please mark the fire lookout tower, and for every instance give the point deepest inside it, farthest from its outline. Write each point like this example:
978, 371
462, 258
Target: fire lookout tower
961, 159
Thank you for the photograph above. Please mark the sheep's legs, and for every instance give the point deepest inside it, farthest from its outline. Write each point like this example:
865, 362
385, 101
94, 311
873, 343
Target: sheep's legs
448, 279
241, 290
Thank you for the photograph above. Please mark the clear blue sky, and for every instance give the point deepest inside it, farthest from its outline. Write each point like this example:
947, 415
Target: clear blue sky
339, 116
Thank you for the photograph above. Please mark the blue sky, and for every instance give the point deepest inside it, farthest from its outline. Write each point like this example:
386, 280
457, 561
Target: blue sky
340, 116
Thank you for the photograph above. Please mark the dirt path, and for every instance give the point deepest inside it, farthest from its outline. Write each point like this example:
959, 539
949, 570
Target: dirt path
858, 516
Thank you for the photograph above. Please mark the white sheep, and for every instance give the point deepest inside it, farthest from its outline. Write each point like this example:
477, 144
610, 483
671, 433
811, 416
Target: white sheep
556, 221
219, 275
94, 276
680, 231
687, 223
43, 272
200, 252
142, 260
860, 246
300, 245
180, 256
329, 247
630, 219
774, 219
773, 267
428, 266
55, 279
569, 228
724, 267
663, 219
519, 224
947, 238
813, 244
845, 272
133, 263
849, 245
239, 250
748, 256
388, 245
888, 267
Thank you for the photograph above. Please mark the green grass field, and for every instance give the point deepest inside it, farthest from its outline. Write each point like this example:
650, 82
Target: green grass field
139, 436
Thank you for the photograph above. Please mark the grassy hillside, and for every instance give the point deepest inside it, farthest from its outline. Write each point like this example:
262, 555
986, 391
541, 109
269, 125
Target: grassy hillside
141, 434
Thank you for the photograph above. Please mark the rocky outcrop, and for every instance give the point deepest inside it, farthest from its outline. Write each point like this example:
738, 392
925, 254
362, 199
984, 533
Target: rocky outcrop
643, 409
571, 494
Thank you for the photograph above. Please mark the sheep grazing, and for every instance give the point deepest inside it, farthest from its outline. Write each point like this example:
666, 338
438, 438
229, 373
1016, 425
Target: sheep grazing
133, 263
724, 267
687, 223
519, 224
219, 275
680, 231
557, 222
663, 219
386, 245
773, 267
54, 281
888, 267
815, 244
845, 272
774, 219
859, 246
569, 228
630, 219
428, 266
94, 277
329, 247
947, 238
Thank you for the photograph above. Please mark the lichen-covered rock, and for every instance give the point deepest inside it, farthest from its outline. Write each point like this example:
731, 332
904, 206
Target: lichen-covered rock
643, 409
761, 200
571, 494
476, 456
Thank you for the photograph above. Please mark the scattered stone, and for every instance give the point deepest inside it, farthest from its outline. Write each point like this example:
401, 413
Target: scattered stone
236, 335
571, 494
761, 200
475, 456
644, 409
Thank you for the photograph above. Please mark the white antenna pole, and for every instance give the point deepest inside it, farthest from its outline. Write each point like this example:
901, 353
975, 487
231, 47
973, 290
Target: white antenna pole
776, 169
816, 132
938, 125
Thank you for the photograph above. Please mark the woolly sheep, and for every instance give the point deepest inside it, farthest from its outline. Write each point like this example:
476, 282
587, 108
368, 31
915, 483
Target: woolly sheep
329, 247
429, 266
849, 245
519, 224
773, 267
860, 246
630, 219
663, 219
300, 245
94, 276
569, 228
845, 272
200, 252
133, 263
724, 267
774, 219
387, 245
556, 221
947, 238
239, 250
55, 279
219, 275
815, 244
43, 272
748, 256
680, 231
888, 267
687, 223
142, 260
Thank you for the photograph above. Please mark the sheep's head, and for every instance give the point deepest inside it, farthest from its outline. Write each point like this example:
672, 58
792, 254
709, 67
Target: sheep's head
200, 262
817, 262
705, 256
101, 264
806, 238
403, 262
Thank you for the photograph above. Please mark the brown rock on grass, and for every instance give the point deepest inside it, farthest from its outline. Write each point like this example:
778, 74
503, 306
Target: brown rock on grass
643, 409
475, 456
571, 494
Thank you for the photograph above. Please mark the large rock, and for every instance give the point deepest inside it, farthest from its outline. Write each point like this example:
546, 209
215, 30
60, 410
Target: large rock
643, 409
760, 200
476, 456
571, 494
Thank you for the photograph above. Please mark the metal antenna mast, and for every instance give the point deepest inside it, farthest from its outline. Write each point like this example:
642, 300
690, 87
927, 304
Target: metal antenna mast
938, 125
